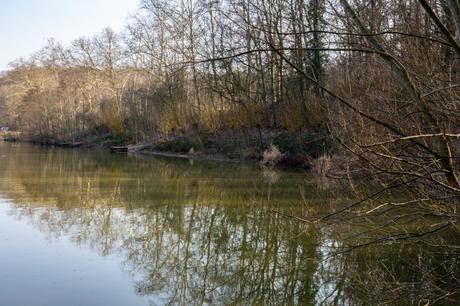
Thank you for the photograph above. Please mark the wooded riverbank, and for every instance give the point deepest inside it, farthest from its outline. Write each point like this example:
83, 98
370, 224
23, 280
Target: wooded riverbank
298, 152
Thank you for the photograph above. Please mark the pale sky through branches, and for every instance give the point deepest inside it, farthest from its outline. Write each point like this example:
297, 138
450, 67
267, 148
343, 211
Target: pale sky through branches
26, 25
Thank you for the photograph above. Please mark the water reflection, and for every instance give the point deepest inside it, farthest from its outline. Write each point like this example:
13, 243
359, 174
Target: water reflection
203, 233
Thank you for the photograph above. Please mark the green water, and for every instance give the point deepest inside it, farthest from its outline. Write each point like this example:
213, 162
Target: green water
91, 228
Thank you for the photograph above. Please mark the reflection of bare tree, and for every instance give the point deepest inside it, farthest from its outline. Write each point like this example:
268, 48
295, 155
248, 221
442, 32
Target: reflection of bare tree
408, 272
202, 234
187, 234
220, 260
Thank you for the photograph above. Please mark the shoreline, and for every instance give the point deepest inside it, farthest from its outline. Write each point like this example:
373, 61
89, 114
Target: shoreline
205, 157
143, 149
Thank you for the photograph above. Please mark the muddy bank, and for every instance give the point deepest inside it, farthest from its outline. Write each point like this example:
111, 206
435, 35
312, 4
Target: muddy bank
295, 150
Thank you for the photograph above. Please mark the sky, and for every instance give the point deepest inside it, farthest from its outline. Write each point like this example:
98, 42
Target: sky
26, 25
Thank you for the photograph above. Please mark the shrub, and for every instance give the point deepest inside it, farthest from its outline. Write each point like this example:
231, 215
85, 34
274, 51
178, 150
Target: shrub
178, 145
306, 143
272, 156
120, 138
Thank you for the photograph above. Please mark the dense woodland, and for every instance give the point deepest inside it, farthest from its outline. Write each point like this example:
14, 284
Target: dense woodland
375, 84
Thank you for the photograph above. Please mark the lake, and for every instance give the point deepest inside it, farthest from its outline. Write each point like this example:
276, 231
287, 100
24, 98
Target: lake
92, 228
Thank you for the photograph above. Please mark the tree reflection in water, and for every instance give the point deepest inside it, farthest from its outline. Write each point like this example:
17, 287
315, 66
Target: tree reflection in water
189, 234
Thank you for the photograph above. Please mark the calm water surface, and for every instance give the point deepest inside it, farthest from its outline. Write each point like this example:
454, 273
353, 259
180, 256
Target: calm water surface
88, 228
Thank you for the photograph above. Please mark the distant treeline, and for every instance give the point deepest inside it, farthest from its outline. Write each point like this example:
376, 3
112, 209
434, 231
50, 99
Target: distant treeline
194, 66
304, 75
